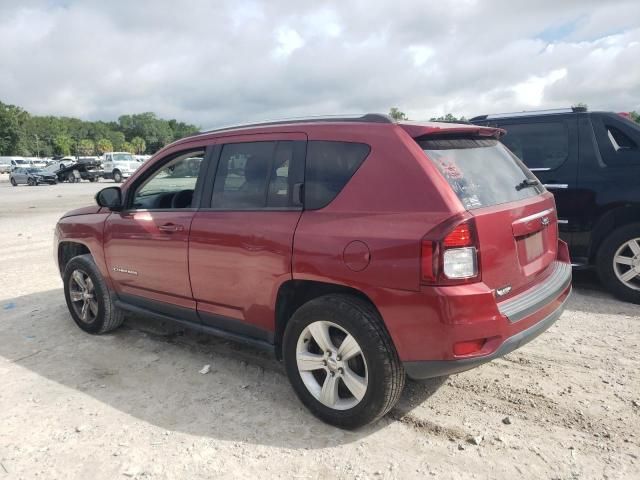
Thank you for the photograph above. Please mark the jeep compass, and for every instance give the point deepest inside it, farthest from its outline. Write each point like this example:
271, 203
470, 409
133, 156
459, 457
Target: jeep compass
359, 250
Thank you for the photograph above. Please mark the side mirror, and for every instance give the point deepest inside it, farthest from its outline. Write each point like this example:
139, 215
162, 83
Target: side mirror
110, 198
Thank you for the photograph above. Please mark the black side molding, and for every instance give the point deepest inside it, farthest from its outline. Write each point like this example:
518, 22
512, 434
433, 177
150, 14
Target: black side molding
226, 328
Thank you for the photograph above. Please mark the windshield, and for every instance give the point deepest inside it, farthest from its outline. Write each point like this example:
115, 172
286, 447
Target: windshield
122, 157
21, 162
35, 170
482, 172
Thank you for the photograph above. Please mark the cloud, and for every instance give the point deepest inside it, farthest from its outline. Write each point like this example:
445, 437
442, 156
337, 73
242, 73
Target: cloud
215, 63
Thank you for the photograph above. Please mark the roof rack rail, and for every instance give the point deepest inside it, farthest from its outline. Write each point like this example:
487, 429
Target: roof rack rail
526, 113
366, 118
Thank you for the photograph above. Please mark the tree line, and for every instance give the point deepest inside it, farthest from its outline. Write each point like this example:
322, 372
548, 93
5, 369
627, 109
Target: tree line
23, 134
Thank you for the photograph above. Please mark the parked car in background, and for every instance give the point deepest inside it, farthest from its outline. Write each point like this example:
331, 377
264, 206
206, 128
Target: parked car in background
119, 165
37, 162
56, 164
86, 168
14, 162
591, 162
357, 249
31, 176
5, 165
142, 158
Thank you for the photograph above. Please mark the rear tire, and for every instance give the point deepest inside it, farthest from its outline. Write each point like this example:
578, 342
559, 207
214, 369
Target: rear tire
88, 297
71, 178
618, 263
379, 376
13, 182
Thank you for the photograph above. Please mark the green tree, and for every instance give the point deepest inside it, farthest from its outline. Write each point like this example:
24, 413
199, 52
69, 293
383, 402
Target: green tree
448, 118
580, 105
397, 114
127, 147
24, 134
13, 122
635, 116
62, 144
104, 145
138, 145
116, 139
86, 147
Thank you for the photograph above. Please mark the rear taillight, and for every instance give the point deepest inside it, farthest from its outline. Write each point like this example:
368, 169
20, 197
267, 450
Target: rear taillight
453, 259
459, 237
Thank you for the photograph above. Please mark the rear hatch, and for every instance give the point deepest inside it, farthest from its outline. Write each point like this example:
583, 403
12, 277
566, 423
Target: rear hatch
515, 217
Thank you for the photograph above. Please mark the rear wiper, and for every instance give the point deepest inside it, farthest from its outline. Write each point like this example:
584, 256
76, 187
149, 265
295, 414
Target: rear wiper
527, 182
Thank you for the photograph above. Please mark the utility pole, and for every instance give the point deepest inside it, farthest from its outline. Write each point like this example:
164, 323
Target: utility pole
37, 146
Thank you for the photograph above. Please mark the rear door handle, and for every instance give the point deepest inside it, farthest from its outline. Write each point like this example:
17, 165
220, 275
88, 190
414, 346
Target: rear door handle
170, 227
553, 186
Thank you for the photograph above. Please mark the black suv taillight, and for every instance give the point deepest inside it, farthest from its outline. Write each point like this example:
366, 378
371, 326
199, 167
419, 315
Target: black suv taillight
453, 258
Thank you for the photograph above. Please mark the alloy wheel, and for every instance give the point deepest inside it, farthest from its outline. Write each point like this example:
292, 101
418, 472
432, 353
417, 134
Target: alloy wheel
83, 296
332, 365
626, 263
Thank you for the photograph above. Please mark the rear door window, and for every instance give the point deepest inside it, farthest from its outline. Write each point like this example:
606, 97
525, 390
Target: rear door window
482, 172
540, 145
255, 175
329, 166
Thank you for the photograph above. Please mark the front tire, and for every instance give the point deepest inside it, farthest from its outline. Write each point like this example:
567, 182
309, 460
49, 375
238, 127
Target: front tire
88, 297
13, 182
341, 361
618, 263
117, 176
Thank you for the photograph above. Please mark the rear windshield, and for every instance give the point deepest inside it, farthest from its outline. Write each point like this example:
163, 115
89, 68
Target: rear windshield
482, 172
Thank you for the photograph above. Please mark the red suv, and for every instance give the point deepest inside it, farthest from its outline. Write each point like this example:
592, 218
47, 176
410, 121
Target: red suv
357, 249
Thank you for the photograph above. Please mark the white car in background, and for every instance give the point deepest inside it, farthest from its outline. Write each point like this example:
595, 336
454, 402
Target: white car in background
5, 165
119, 165
13, 162
37, 162
59, 163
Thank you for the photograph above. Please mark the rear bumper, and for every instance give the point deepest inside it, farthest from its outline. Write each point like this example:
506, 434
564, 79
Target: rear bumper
421, 370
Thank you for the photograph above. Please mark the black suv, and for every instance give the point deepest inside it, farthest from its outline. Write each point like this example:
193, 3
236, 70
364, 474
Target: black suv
591, 162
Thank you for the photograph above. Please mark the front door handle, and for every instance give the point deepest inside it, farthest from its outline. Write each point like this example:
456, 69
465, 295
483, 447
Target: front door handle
170, 227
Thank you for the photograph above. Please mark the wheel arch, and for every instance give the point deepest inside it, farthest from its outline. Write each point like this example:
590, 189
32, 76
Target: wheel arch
292, 294
613, 219
68, 249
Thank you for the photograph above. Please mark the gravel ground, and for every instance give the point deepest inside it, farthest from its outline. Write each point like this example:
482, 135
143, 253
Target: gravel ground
133, 403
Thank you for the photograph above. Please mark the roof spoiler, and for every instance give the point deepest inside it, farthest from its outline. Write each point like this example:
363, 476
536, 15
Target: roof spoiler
416, 130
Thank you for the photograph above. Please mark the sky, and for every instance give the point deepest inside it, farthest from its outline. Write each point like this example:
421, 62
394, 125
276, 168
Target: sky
215, 63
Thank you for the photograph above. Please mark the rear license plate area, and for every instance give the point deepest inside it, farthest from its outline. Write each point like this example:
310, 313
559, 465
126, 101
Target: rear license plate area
531, 246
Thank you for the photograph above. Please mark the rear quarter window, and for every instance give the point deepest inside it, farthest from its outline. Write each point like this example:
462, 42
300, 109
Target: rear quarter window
482, 172
618, 140
329, 167
540, 145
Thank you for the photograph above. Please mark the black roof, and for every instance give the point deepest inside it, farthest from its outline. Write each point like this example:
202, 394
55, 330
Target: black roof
529, 113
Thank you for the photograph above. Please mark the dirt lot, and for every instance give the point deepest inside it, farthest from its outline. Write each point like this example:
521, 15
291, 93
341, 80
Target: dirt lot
132, 404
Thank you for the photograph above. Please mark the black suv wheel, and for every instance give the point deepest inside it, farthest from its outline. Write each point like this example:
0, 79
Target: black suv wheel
88, 297
618, 263
341, 361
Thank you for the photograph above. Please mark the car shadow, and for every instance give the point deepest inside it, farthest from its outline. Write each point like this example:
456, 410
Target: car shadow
152, 372
592, 297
